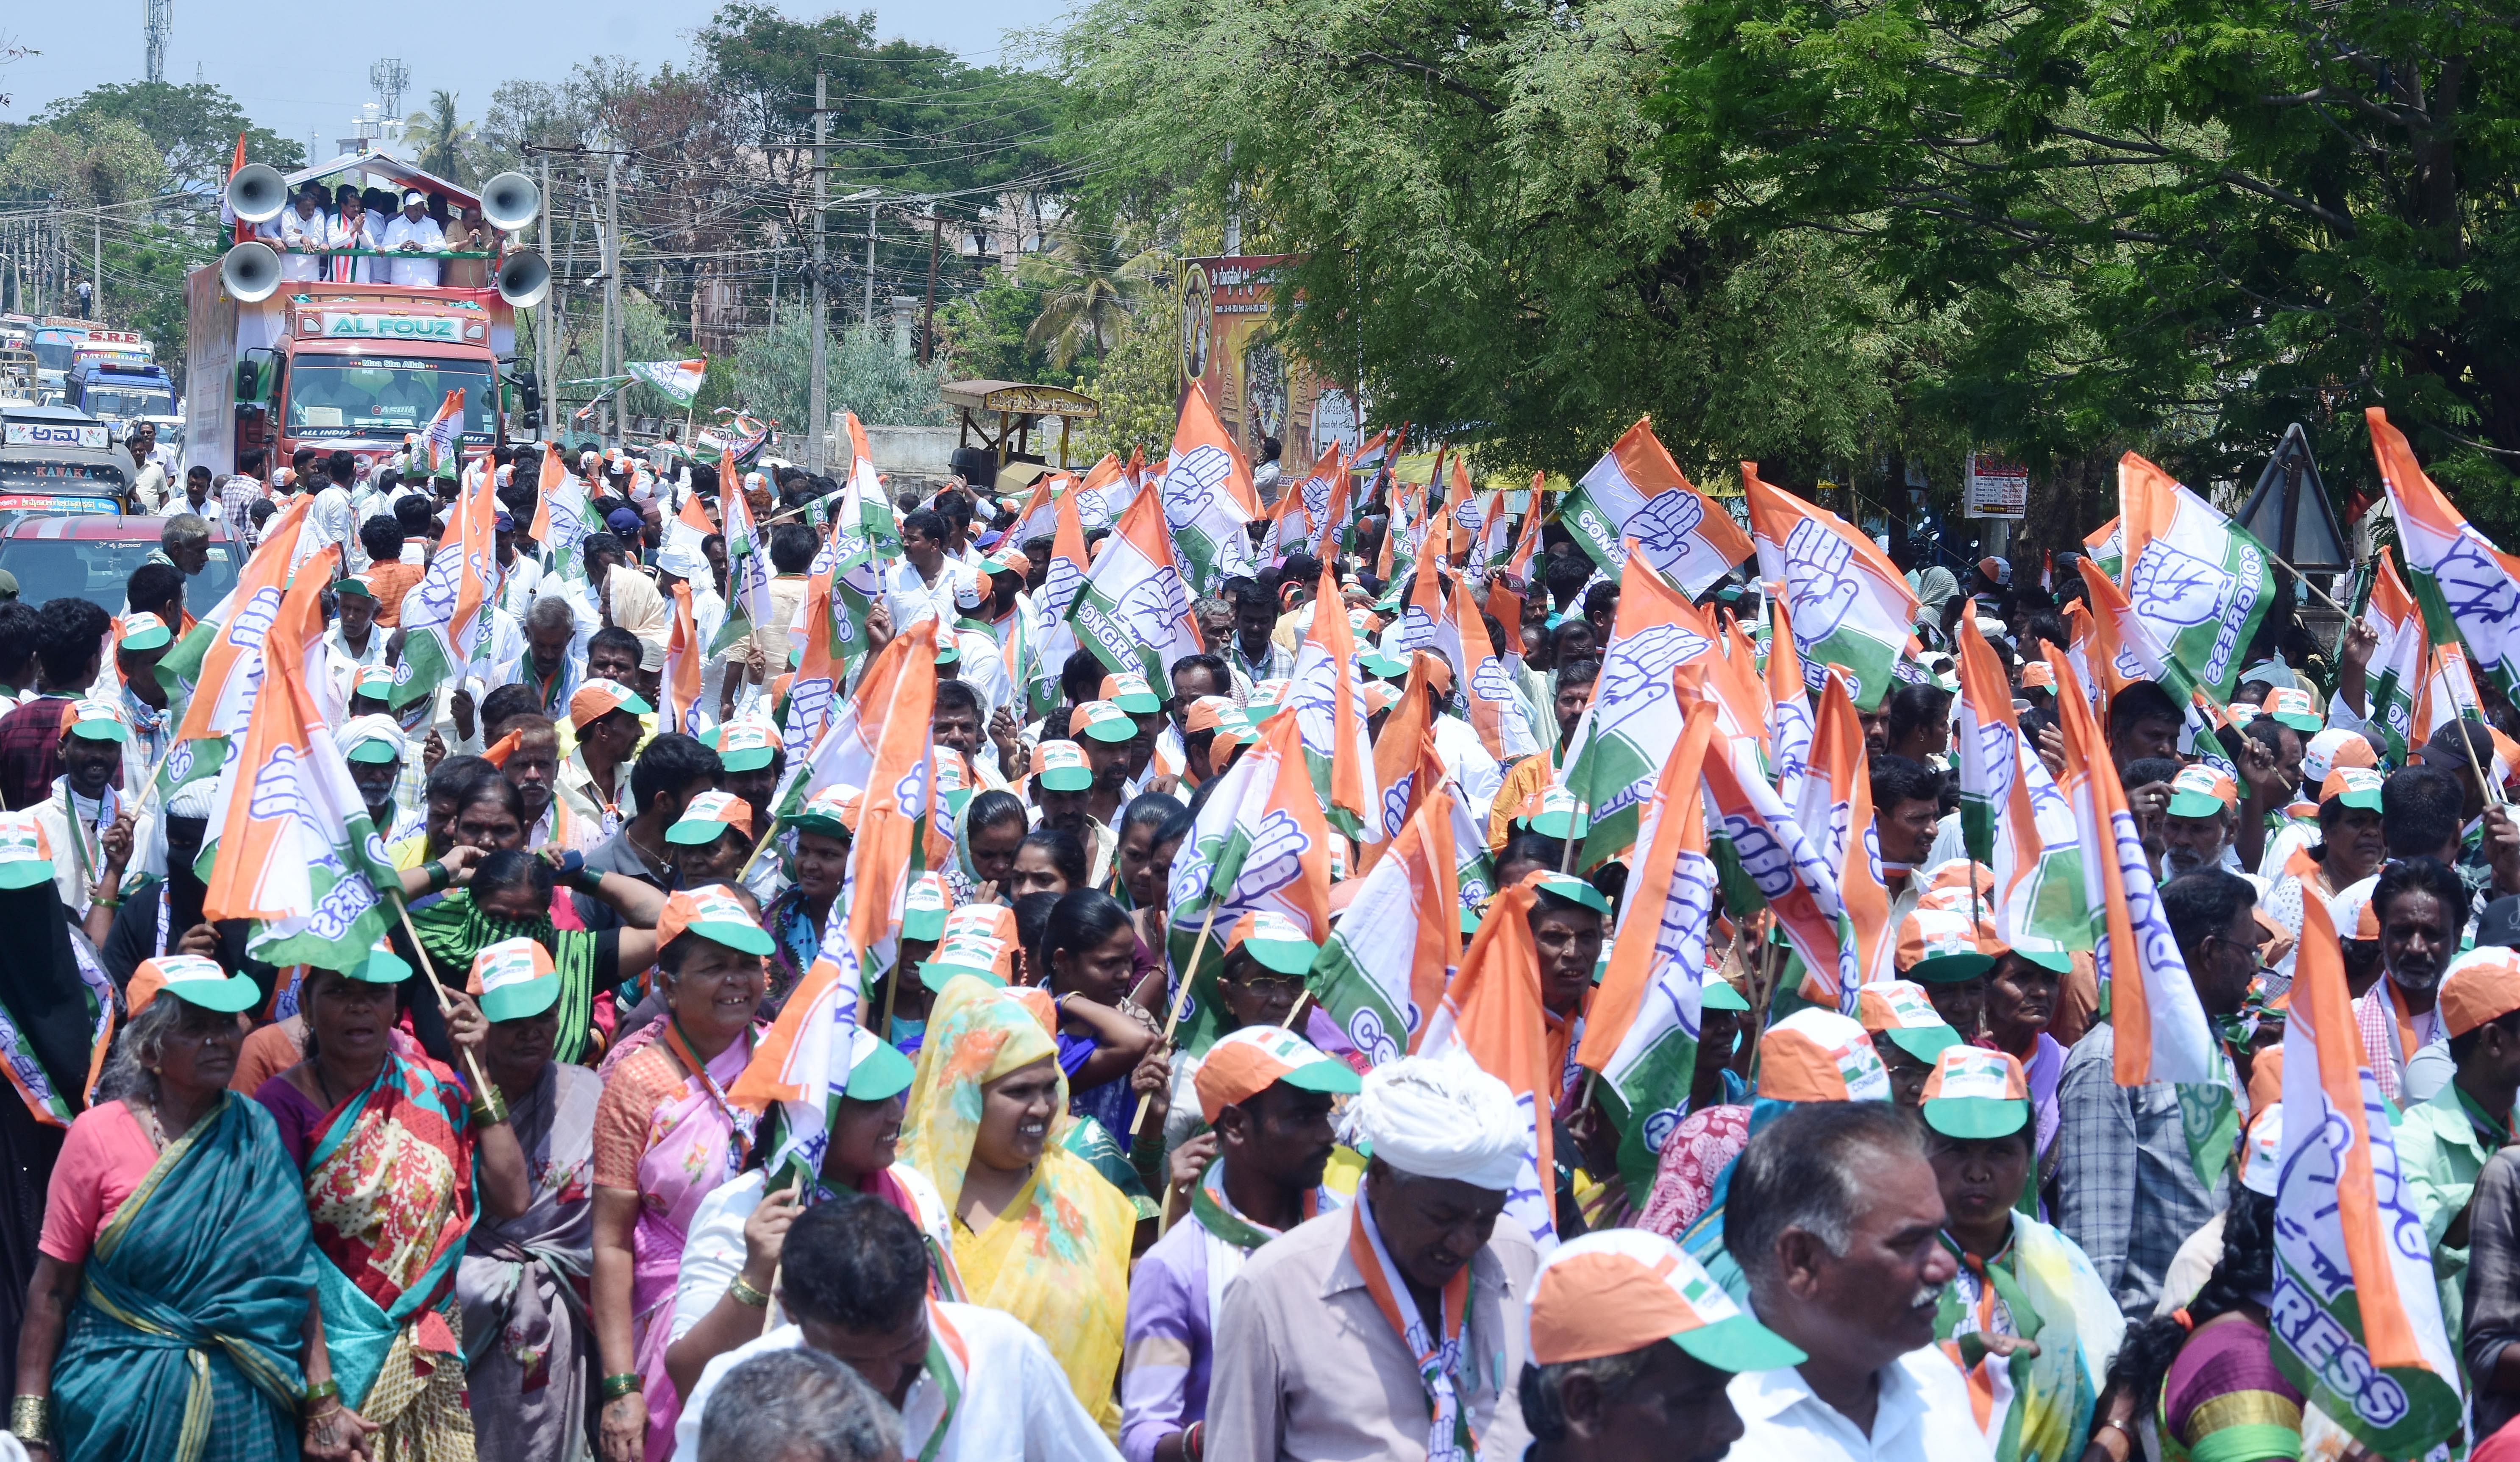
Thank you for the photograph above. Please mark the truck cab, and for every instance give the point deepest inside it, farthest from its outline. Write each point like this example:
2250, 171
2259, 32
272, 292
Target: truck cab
358, 368
121, 391
57, 341
56, 460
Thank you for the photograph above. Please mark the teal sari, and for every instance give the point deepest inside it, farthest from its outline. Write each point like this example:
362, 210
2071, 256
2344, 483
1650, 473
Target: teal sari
185, 1343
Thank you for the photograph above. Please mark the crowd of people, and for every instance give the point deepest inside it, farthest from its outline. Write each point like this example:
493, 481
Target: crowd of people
519, 1181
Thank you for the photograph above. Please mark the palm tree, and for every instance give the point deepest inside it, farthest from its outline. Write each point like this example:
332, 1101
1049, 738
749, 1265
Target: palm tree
1091, 286
439, 140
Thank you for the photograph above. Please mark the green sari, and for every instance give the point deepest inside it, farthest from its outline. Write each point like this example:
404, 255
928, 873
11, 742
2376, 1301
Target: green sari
185, 1343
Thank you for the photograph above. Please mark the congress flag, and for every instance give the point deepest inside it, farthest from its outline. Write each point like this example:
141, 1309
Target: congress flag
1207, 497
747, 566
2466, 584
444, 437
2397, 669
684, 655
1789, 707
440, 638
2012, 817
1133, 610
2197, 581
1836, 811
1636, 491
1850, 605
1385, 965
1491, 1014
2356, 1322
1793, 876
1327, 703
803, 1062
561, 517
1619, 747
677, 380
1640, 1031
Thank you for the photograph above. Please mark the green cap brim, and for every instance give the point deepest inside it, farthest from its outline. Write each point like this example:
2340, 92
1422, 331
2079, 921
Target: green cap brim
1286, 956
1142, 704
2054, 961
1975, 1117
822, 827
381, 967
884, 1073
1329, 1075
948, 654
148, 639
353, 587
743, 937
2307, 725
635, 704
101, 731
1739, 1344
1471, 919
226, 996
25, 873
1113, 733
1720, 996
1950, 969
1066, 779
937, 973
1925, 1044
698, 831
752, 758
522, 1000
2196, 805
2367, 801
1574, 889
923, 924
373, 751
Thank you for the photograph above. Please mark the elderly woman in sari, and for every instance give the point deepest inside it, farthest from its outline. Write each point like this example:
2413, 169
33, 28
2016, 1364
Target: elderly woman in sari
175, 1238
526, 1348
1037, 1232
393, 1146
665, 1138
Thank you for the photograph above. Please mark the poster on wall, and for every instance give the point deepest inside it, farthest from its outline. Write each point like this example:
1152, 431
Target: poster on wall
1229, 347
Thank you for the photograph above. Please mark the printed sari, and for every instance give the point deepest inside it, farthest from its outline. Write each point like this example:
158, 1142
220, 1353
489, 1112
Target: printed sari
522, 1283
2224, 1401
389, 1187
185, 1343
2041, 1287
1057, 1256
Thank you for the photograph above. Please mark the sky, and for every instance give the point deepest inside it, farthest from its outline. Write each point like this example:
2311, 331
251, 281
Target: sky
264, 56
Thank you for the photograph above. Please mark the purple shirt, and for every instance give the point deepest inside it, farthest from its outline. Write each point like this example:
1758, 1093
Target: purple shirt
1165, 1352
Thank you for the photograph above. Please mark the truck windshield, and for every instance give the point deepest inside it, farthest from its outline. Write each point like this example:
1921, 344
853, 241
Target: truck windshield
129, 401
54, 356
345, 397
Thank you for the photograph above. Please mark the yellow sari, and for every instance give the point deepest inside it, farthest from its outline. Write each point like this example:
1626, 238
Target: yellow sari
1057, 1257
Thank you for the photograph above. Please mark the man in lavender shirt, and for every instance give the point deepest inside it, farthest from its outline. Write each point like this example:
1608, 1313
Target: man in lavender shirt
1267, 1093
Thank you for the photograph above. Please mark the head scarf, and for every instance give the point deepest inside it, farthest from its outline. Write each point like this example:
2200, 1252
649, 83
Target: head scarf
976, 1032
1441, 1116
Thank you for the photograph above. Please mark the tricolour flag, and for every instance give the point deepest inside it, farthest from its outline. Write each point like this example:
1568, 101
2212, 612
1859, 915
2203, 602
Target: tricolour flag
677, 380
896, 792
1038, 517
1836, 813
2356, 1322
561, 517
445, 433
1487, 686
1636, 491
679, 553
1053, 639
295, 850
803, 1062
1258, 844
1850, 605
2397, 669
1207, 497
1627, 732
222, 663
1329, 706
1385, 965
2449, 694
440, 637
1406, 766
2106, 546
681, 679
1790, 873
1132, 611
1641, 1030
1789, 707
1330, 522
2468, 587
843, 748
2197, 580
2161, 1031
747, 566
1492, 1014
2012, 817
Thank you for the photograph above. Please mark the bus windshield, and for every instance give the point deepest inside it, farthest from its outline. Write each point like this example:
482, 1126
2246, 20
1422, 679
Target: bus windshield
129, 401
344, 396
54, 356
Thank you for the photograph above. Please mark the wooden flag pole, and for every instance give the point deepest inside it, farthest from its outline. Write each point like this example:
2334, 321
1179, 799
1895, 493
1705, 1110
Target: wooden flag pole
1172, 1017
2307, 584
445, 1006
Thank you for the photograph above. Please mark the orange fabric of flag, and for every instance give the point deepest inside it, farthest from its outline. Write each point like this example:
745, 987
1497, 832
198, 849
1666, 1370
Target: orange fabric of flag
1678, 827
243, 639
1838, 749
880, 853
1349, 750
555, 475
1398, 754
1425, 845
1493, 1010
2090, 781
683, 657
278, 728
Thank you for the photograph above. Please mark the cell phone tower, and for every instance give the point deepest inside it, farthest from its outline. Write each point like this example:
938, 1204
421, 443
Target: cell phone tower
388, 76
157, 25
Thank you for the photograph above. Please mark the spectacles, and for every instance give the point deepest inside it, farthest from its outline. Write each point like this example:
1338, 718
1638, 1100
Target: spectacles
1271, 984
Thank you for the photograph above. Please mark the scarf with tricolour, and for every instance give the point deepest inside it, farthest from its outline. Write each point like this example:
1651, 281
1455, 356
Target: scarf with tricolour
1440, 1359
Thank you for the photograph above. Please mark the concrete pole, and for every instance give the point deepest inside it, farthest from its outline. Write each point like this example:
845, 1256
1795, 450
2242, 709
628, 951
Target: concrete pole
818, 388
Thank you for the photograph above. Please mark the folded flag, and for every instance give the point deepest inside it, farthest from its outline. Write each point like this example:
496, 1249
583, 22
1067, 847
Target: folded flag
1492, 1013
2398, 662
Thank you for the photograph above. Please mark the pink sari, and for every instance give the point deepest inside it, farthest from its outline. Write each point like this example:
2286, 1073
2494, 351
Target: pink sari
696, 1142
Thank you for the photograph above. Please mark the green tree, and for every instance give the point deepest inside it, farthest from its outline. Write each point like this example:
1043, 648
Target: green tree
441, 142
773, 369
1088, 283
195, 128
2200, 220
94, 160
1136, 382
982, 335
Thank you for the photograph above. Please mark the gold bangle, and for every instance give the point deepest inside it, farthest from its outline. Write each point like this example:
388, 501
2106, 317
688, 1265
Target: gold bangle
743, 1293
30, 1419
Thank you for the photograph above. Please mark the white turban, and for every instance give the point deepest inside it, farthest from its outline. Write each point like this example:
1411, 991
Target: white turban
372, 727
1442, 1117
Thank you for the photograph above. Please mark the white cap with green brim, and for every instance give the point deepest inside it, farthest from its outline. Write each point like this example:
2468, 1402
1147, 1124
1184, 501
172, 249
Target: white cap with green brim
925, 907
877, 1072
746, 743
381, 967
26, 850
197, 980
96, 719
514, 980
1573, 890
712, 913
1717, 993
1274, 941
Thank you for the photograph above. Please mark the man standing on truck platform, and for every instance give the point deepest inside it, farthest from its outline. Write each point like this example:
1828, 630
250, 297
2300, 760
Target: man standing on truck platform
414, 233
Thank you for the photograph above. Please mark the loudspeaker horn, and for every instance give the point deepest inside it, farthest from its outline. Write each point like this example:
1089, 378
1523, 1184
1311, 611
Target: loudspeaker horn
525, 279
257, 192
251, 271
510, 201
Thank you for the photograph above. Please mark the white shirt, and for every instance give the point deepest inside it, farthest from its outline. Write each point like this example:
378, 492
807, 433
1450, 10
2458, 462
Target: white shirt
306, 235
1923, 1415
1017, 1405
713, 1254
910, 598
421, 271
1466, 757
335, 521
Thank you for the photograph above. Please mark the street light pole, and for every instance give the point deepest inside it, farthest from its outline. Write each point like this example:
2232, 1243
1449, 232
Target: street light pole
870, 279
818, 405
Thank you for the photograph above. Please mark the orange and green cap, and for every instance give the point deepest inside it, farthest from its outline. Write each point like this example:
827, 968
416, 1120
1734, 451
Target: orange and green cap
2353, 786
749, 742
1248, 1062
1817, 1055
831, 812
2293, 707
2483, 985
2203, 790
600, 698
1104, 721
1128, 690
1273, 940
98, 720
514, 980
708, 817
197, 980
712, 913
925, 906
26, 850
142, 631
2333, 748
877, 1072
1945, 946
1976, 1093
1618, 1290
1901, 1011
1061, 765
